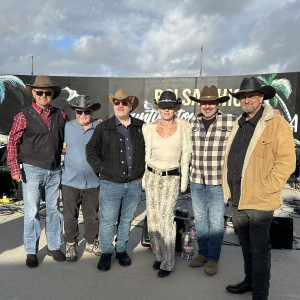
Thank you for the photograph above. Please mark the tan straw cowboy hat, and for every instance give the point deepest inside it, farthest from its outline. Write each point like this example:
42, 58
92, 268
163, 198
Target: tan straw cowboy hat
124, 95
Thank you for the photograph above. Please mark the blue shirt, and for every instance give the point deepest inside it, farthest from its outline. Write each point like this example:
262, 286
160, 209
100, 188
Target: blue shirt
77, 172
128, 146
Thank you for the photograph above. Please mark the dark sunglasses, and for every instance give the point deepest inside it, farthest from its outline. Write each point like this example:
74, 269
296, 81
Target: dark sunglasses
40, 93
124, 103
86, 112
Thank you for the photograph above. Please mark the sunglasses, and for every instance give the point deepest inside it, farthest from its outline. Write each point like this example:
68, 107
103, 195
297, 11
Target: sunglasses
86, 112
40, 93
124, 103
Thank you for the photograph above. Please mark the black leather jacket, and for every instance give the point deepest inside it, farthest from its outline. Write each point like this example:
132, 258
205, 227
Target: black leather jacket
105, 151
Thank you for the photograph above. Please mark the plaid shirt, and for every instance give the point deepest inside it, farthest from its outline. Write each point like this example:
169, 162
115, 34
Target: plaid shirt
16, 133
209, 148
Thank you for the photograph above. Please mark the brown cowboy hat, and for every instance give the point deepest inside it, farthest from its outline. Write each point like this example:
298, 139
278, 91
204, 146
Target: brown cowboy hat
124, 95
210, 94
83, 101
43, 82
249, 85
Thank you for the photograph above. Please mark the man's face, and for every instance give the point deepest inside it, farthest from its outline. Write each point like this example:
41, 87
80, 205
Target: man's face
209, 108
122, 108
251, 102
84, 116
42, 97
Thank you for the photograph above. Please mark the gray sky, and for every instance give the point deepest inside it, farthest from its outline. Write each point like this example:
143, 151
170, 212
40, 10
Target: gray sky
153, 38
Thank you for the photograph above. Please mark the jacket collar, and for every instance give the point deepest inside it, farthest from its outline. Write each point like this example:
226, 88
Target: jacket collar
111, 124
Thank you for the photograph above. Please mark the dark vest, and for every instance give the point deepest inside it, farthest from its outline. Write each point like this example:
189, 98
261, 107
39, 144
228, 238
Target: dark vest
40, 146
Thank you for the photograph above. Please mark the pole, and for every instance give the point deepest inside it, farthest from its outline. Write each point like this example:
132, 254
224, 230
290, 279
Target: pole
201, 55
31, 64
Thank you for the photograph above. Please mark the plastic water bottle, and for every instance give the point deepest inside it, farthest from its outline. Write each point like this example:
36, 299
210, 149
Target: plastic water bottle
187, 249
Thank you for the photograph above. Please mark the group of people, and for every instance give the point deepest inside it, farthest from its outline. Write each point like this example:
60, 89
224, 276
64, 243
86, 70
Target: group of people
246, 159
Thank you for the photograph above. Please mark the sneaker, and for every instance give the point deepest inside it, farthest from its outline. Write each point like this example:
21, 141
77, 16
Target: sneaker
71, 253
211, 268
198, 261
93, 248
56, 254
31, 261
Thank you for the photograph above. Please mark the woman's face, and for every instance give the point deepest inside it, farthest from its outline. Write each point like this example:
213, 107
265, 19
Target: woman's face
167, 114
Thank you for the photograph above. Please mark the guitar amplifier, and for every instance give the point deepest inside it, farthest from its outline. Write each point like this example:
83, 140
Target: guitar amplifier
182, 225
281, 233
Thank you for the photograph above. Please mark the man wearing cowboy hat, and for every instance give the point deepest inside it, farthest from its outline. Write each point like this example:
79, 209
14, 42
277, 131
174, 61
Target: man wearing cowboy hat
80, 185
116, 152
259, 158
36, 140
210, 131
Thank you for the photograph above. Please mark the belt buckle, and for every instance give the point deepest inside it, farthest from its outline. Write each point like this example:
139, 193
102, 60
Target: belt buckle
159, 172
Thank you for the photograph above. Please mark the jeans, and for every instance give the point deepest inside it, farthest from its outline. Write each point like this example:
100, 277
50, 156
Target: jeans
208, 207
112, 197
89, 201
252, 227
35, 181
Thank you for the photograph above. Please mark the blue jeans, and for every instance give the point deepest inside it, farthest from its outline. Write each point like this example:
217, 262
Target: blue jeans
252, 228
112, 197
208, 207
35, 180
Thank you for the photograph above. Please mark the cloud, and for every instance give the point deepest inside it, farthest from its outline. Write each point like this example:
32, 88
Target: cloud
136, 38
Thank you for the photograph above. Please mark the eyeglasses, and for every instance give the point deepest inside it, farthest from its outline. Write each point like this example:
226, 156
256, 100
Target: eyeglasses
124, 103
40, 93
86, 112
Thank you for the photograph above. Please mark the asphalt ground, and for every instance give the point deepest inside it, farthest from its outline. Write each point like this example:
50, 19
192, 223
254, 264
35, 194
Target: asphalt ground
82, 279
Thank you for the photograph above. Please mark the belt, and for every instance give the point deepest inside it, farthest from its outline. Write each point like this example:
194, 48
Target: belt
135, 179
164, 173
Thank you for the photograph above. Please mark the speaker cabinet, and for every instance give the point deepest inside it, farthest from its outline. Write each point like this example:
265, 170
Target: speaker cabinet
281, 233
182, 225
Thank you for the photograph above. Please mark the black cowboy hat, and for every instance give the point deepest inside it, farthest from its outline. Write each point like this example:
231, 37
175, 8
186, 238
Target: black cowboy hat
249, 85
83, 101
167, 100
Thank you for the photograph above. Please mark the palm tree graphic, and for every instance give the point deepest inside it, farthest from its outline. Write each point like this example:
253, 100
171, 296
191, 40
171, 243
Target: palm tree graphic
283, 85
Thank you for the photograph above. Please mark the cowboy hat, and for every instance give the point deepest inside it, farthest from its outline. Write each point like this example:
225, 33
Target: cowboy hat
167, 100
43, 82
249, 85
210, 94
124, 95
83, 101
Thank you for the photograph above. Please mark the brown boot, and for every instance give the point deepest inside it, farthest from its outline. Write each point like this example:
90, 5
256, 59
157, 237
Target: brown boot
211, 268
198, 261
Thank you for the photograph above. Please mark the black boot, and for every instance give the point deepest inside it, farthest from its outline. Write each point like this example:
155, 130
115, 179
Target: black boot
239, 288
31, 261
104, 262
124, 259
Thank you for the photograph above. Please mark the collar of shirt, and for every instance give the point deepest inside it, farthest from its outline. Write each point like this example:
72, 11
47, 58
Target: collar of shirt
118, 122
40, 110
254, 120
93, 125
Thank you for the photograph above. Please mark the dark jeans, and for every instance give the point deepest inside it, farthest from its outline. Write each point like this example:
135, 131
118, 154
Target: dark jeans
252, 227
89, 201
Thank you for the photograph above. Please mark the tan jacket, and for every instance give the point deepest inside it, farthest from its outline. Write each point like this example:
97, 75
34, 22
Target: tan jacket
185, 128
269, 161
